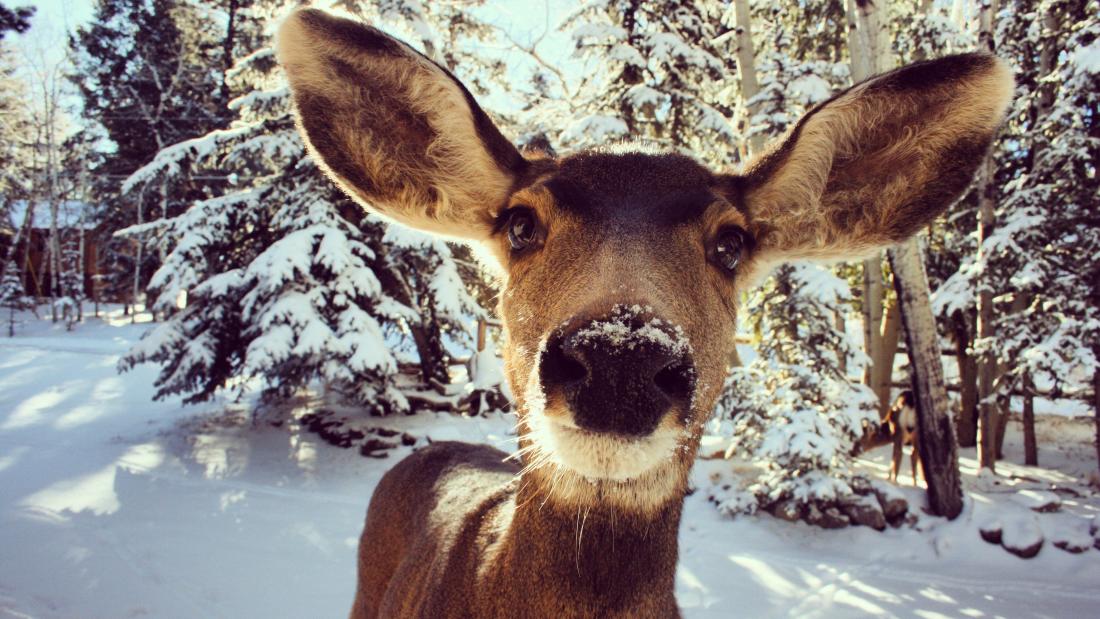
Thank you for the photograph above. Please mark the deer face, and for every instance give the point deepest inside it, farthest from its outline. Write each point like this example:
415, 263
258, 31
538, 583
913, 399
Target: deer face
620, 267
619, 306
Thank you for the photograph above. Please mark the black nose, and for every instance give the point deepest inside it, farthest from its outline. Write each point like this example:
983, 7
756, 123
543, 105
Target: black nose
619, 374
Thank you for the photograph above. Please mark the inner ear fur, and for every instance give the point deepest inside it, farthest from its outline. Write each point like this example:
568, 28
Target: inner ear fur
874, 164
396, 131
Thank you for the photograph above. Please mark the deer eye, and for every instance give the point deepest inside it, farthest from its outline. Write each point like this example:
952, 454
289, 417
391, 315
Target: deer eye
729, 248
522, 228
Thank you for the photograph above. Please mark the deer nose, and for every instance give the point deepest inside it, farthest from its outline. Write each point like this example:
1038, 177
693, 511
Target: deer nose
619, 374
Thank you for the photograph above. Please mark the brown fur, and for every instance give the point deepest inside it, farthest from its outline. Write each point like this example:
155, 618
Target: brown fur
452, 531
872, 165
444, 168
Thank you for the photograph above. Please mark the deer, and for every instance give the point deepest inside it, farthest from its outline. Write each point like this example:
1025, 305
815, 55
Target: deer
901, 419
620, 269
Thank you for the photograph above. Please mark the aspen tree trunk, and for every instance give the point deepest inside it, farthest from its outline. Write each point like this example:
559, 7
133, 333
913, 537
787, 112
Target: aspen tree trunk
866, 50
987, 362
883, 367
938, 453
746, 69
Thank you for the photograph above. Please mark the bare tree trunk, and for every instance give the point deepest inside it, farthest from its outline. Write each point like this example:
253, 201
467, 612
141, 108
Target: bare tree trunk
1031, 449
1096, 402
987, 362
882, 367
968, 383
746, 68
872, 318
938, 451
138, 257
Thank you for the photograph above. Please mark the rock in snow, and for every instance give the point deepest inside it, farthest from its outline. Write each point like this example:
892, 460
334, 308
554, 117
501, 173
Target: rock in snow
1022, 536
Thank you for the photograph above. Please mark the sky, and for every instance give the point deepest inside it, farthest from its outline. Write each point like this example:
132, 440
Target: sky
53, 19
527, 21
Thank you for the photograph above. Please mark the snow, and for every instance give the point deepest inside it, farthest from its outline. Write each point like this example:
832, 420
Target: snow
115, 506
596, 128
1088, 58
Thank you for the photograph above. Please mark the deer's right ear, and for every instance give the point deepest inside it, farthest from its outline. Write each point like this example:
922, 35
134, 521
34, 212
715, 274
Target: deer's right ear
395, 130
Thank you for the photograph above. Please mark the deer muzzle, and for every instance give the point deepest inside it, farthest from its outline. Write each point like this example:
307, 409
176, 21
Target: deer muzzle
620, 373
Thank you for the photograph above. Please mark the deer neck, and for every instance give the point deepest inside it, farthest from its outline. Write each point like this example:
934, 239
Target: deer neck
604, 561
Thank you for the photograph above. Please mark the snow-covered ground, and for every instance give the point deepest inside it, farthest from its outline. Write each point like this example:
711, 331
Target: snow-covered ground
114, 506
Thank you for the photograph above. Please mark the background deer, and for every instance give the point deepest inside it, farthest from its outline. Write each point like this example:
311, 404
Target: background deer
902, 421
620, 268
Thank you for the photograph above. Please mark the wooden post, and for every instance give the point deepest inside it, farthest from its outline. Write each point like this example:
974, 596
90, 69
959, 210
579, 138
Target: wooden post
938, 449
481, 328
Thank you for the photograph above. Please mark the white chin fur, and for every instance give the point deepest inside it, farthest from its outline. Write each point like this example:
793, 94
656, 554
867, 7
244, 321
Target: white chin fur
601, 457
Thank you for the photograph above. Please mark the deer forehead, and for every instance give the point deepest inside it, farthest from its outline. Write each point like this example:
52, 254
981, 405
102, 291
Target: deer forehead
622, 193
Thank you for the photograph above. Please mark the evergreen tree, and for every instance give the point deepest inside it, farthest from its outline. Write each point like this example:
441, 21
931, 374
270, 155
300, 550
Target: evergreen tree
656, 74
13, 296
149, 76
15, 20
794, 410
285, 279
1046, 247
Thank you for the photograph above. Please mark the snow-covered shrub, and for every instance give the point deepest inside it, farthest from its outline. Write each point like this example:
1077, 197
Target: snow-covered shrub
794, 412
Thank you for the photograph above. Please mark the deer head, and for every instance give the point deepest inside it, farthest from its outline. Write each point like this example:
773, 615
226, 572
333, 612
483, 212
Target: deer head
621, 266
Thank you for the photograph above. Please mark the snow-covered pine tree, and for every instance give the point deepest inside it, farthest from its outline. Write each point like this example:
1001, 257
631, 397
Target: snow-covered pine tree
285, 279
150, 74
1041, 182
661, 78
13, 296
793, 409
71, 279
1045, 246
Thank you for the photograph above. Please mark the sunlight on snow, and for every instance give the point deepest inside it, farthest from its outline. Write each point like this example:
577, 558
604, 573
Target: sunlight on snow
221, 455
766, 575
691, 592
15, 455
106, 389
94, 492
937, 596
33, 410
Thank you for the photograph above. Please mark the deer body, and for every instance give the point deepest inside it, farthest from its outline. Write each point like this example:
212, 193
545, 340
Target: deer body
459, 510
902, 421
620, 271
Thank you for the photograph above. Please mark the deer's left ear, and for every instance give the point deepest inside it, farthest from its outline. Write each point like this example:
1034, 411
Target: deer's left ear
395, 130
874, 164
